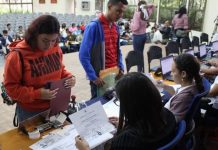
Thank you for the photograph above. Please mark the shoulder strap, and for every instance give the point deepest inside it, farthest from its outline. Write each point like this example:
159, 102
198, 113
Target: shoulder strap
15, 120
22, 65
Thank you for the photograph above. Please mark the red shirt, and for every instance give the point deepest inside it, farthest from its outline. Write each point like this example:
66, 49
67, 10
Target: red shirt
111, 37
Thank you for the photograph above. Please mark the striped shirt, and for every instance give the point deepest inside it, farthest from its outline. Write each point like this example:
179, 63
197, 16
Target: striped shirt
111, 37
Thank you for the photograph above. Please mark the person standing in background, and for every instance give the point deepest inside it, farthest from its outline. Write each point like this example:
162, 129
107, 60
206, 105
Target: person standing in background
100, 48
180, 24
139, 24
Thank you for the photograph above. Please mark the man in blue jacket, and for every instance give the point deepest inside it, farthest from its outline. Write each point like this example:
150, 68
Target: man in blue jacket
100, 47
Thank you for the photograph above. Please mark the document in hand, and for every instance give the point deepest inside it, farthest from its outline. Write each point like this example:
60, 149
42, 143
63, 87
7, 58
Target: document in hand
61, 102
92, 124
108, 75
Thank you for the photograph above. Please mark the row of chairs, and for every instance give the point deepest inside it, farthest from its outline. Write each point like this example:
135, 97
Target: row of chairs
155, 52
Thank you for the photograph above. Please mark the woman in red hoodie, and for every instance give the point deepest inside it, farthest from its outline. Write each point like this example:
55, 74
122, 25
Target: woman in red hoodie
42, 62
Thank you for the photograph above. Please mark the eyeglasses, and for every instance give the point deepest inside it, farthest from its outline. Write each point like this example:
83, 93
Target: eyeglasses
117, 102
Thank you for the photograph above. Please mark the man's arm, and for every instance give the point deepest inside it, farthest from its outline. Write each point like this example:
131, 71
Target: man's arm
85, 51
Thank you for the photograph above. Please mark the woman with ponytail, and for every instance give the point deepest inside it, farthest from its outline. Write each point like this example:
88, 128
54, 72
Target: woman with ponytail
185, 71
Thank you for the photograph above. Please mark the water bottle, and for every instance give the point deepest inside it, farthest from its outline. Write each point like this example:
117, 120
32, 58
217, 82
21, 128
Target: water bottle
209, 54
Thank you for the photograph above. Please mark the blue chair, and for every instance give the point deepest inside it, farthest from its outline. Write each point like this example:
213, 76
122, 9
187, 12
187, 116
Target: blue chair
179, 135
193, 112
194, 107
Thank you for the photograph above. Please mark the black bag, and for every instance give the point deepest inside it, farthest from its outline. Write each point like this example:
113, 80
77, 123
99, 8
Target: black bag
6, 98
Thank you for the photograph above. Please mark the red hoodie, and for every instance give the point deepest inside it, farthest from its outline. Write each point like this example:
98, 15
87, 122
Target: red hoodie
39, 68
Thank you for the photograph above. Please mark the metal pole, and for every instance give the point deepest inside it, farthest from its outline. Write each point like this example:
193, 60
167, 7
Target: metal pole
187, 4
158, 12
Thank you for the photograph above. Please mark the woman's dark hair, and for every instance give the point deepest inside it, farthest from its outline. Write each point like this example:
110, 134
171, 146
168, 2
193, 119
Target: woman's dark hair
45, 24
140, 101
182, 11
142, 14
189, 64
141, 3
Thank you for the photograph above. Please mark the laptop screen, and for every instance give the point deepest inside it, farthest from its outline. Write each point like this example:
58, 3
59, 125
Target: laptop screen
215, 46
202, 50
190, 51
166, 64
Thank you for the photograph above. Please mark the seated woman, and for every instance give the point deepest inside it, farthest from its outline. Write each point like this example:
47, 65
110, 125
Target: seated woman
185, 71
143, 121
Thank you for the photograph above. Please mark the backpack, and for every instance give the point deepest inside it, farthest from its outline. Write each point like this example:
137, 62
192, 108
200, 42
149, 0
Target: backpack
6, 98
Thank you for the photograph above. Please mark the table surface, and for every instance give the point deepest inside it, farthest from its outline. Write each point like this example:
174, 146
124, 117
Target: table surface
16, 140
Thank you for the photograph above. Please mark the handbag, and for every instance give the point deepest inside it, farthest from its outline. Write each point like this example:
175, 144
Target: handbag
181, 33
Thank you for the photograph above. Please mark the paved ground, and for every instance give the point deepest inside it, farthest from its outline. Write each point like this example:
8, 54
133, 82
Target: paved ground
81, 90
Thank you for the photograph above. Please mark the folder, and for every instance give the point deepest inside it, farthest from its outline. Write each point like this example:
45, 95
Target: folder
62, 99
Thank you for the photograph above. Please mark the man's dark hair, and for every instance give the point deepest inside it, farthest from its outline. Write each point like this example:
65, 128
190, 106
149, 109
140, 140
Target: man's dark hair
45, 24
8, 24
5, 31
115, 2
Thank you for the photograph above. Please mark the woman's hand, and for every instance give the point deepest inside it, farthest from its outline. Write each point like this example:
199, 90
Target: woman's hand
69, 83
47, 94
81, 143
114, 121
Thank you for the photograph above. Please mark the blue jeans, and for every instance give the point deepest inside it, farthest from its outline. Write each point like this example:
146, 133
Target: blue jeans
93, 90
139, 42
23, 114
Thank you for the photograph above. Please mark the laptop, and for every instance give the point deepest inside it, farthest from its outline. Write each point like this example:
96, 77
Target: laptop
215, 46
190, 51
202, 52
166, 63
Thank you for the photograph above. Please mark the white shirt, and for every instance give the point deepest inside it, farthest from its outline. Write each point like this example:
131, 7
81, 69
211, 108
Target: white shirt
214, 100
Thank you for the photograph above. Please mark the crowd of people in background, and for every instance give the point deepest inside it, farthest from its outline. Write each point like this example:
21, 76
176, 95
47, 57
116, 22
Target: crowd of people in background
136, 31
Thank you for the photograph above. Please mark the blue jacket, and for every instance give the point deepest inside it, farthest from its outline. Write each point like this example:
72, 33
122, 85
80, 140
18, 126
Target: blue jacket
92, 50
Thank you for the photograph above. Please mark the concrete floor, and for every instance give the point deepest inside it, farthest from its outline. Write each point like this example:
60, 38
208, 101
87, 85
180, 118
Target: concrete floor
81, 90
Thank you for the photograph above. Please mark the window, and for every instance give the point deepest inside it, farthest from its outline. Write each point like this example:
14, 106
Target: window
14, 6
99, 5
85, 5
196, 9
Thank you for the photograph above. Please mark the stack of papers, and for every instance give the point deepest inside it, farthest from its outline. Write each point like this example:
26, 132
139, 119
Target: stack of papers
61, 139
91, 123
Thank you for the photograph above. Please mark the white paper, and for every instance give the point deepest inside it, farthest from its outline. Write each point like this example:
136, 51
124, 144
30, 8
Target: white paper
60, 139
176, 86
111, 109
92, 124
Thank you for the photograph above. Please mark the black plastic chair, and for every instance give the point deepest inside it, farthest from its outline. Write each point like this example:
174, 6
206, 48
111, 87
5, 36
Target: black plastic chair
195, 41
185, 43
135, 58
204, 38
154, 52
172, 47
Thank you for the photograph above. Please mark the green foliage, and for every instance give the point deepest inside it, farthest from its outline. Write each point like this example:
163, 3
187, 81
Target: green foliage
195, 14
128, 14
